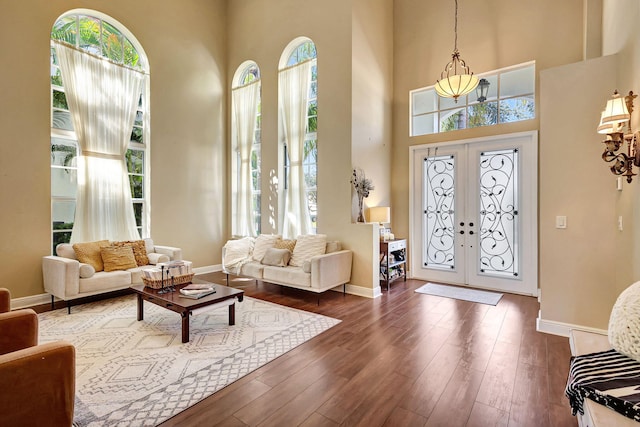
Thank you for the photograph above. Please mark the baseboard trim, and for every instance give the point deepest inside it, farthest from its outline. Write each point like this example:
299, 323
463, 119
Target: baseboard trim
562, 329
31, 301
207, 269
360, 291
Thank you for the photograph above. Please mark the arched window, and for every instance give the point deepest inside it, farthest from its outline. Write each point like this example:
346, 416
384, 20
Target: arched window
90, 50
246, 137
298, 98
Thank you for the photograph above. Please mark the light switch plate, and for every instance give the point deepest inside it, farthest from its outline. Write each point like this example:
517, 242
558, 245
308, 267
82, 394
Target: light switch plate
561, 221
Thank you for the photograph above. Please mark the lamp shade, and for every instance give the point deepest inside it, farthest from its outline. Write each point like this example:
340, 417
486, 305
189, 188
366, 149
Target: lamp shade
381, 214
456, 85
608, 128
615, 111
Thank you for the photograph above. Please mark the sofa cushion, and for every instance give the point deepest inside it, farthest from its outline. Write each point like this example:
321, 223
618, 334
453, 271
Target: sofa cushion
139, 250
148, 244
103, 281
89, 253
285, 244
252, 269
624, 323
276, 257
306, 266
288, 275
65, 250
262, 243
86, 270
156, 258
118, 258
308, 246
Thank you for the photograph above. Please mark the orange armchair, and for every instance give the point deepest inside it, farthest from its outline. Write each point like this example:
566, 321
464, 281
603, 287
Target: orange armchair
37, 382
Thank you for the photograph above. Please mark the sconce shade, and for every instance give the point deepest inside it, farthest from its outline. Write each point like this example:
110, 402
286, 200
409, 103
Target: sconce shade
615, 111
381, 214
607, 128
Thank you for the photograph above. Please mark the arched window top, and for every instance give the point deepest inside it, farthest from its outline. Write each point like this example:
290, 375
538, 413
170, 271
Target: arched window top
100, 35
299, 50
248, 72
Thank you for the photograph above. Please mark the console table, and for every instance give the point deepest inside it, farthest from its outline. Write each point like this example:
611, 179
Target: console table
390, 271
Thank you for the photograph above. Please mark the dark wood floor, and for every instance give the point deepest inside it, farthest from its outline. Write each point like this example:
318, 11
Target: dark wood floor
404, 359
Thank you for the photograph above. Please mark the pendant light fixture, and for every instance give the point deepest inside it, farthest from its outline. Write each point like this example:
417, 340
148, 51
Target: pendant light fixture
456, 79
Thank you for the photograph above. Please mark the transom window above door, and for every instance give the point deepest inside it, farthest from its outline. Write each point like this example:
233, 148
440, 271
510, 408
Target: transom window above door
503, 96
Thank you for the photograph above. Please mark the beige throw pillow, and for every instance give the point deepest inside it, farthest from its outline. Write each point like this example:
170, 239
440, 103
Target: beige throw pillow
276, 257
308, 246
139, 250
118, 258
89, 253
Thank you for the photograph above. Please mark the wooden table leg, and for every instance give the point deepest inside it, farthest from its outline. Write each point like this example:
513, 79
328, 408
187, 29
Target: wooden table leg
232, 314
140, 309
185, 326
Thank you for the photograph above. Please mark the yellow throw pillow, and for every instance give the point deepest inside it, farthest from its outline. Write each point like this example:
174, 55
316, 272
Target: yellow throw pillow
285, 244
139, 250
89, 253
118, 258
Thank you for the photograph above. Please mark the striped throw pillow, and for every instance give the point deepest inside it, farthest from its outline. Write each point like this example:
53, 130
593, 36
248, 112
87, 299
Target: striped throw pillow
308, 246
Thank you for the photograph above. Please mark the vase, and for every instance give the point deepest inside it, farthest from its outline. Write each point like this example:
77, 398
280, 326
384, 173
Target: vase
360, 213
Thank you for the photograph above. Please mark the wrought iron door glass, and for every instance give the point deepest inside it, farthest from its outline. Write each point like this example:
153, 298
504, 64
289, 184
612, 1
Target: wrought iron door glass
499, 204
439, 212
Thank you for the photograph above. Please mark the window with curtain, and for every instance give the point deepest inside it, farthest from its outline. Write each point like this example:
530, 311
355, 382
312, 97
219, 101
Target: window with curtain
95, 63
298, 99
245, 153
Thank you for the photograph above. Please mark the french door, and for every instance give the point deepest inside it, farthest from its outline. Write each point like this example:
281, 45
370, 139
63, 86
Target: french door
474, 213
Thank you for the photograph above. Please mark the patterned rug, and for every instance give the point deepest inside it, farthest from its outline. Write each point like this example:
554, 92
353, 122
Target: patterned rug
131, 373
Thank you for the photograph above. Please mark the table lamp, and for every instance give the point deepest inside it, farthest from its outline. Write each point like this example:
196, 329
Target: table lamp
381, 215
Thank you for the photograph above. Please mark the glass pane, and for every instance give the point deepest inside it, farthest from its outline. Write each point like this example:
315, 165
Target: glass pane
64, 182
135, 161
312, 113
516, 109
137, 212
424, 101
63, 152
63, 214
483, 114
65, 29
131, 57
313, 90
61, 120
139, 117
453, 119
439, 212
517, 82
60, 100
446, 103
136, 135
425, 124
499, 206
60, 237
112, 47
136, 186
492, 92
56, 76
90, 34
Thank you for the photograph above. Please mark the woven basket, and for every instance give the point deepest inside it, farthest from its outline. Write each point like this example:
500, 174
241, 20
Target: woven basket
177, 280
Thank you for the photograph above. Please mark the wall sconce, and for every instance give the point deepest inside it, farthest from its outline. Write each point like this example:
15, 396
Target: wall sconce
613, 119
381, 215
482, 90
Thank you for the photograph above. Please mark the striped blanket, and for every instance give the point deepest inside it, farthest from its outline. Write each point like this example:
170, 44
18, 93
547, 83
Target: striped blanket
608, 378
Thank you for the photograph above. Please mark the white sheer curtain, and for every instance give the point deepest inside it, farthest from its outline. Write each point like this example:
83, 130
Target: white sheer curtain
245, 108
294, 98
102, 99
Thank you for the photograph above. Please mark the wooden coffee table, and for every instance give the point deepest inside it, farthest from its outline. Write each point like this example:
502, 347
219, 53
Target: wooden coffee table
185, 306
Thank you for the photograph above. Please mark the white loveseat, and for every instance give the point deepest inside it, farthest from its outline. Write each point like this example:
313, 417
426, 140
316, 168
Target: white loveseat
315, 264
67, 278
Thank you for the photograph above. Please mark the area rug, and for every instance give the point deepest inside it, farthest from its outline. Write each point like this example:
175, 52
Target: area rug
456, 292
139, 373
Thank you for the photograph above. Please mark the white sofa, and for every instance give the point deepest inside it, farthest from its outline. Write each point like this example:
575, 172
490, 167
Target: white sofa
595, 414
67, 278
315, 273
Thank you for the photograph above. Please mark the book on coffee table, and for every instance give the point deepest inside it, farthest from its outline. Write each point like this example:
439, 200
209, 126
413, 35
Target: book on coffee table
196, 294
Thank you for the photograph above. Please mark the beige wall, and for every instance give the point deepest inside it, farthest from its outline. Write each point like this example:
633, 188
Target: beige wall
185, 44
